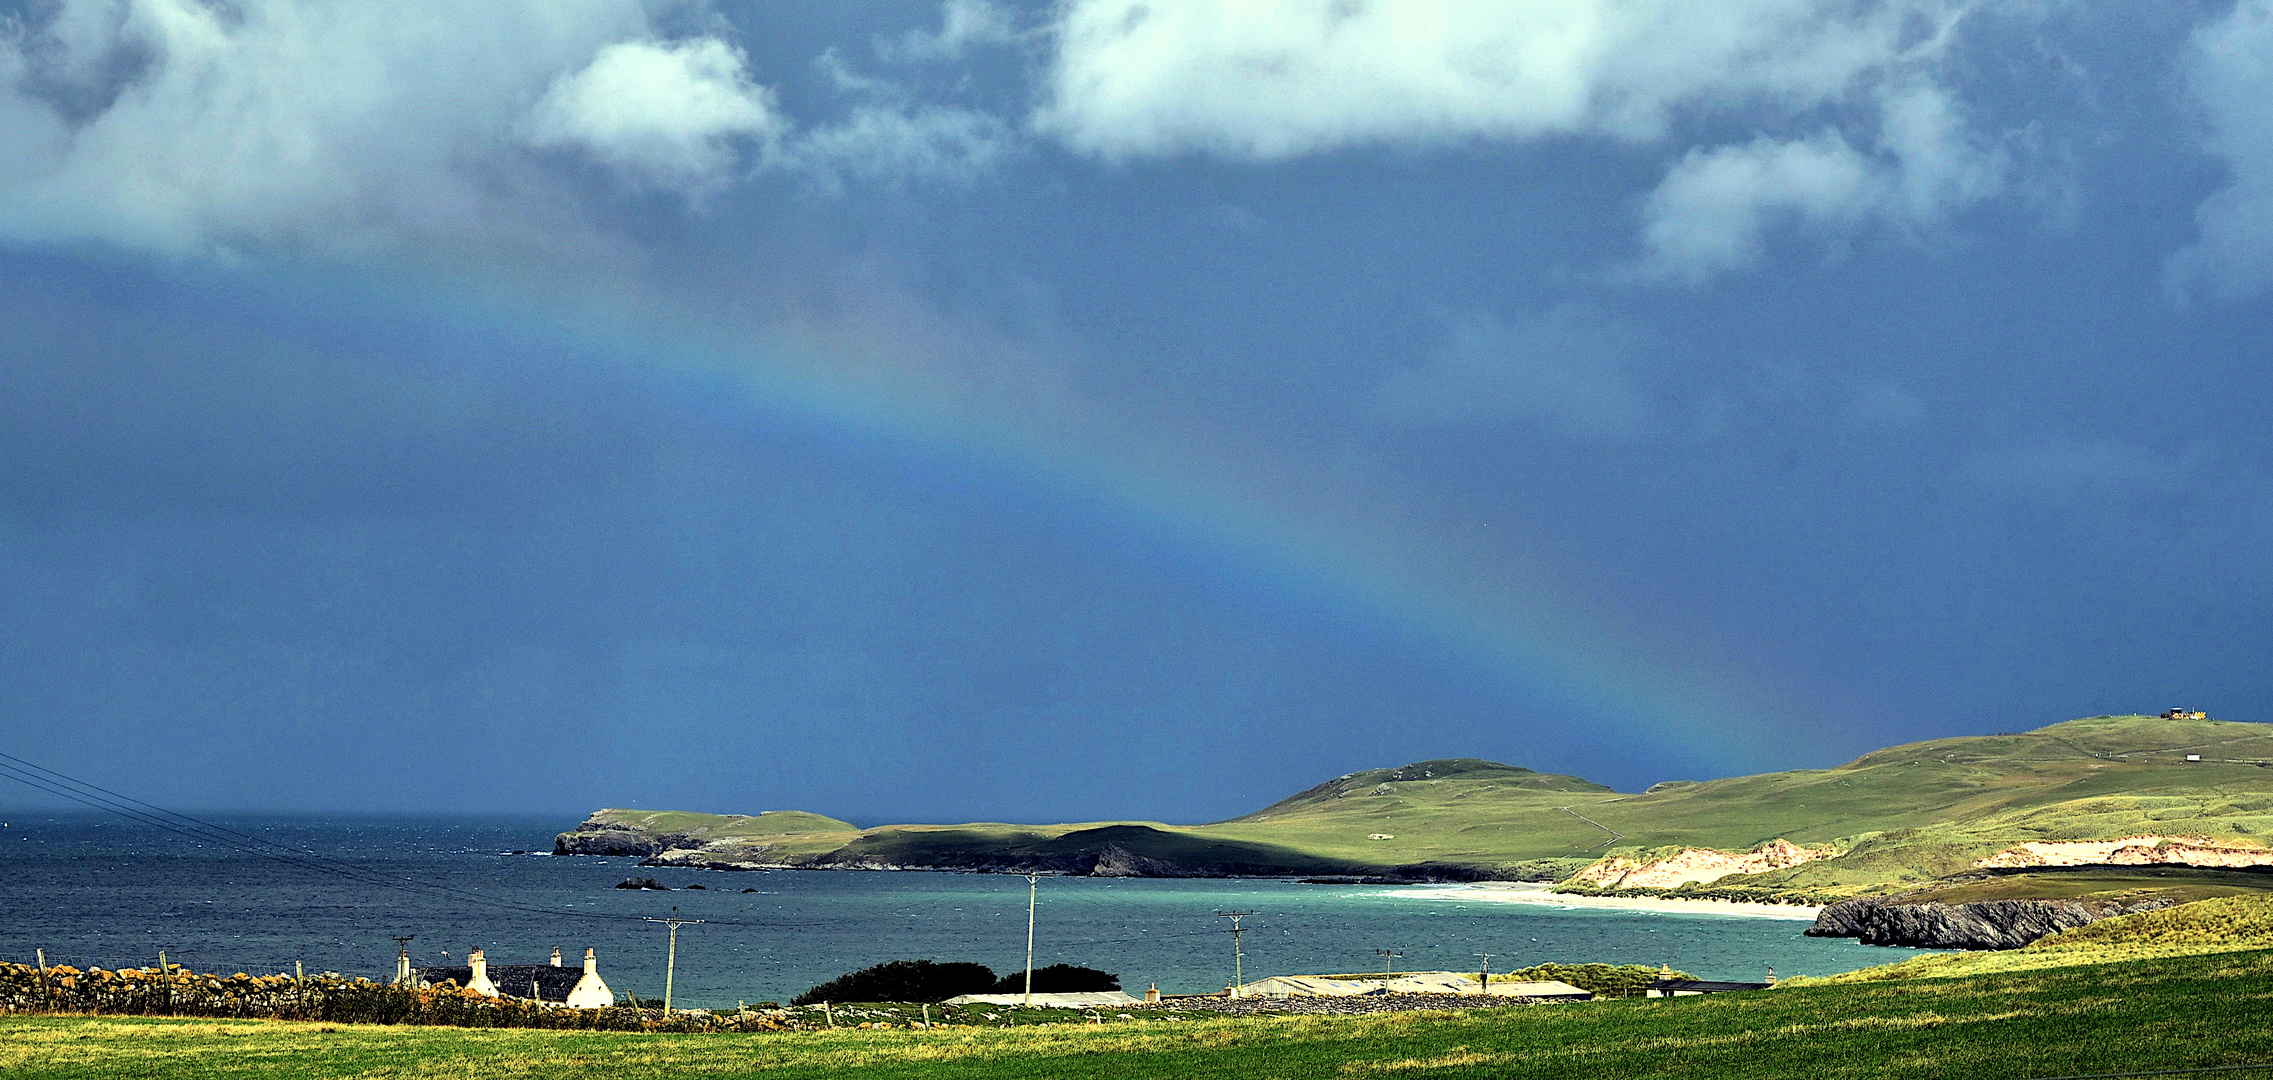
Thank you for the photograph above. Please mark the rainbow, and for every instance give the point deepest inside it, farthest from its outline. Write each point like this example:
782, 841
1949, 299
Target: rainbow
1329, 544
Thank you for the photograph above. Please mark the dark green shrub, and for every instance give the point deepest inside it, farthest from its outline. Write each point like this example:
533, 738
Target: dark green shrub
903, 980
1060, 979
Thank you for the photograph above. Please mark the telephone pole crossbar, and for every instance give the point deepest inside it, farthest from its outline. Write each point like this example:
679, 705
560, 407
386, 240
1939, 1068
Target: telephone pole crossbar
671, 965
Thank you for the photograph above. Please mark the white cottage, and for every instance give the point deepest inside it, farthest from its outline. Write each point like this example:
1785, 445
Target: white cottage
551, 982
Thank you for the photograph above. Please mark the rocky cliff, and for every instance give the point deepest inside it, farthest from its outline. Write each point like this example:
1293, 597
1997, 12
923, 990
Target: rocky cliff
599, 837
1985, 924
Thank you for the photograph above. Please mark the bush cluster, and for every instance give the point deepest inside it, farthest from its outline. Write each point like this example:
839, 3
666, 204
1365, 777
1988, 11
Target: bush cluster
924, 980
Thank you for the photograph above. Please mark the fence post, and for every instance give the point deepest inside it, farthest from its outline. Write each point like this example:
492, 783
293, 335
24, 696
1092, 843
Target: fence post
46, 990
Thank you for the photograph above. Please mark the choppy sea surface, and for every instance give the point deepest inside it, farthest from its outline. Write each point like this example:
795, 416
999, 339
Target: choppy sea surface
98, 891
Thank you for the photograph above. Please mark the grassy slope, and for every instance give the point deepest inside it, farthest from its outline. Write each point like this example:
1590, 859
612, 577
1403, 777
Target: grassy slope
2175, 1013
1910, 813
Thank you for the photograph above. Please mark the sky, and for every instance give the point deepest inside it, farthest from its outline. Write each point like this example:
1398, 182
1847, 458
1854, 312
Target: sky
1099, 409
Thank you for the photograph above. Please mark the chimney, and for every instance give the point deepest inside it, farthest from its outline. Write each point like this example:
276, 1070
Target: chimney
591, 965
556, 956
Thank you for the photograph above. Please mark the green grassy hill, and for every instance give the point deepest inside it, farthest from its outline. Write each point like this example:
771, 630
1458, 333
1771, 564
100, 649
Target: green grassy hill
1904, 815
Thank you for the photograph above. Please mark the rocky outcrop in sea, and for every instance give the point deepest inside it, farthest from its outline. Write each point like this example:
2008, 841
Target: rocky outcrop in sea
1984, 924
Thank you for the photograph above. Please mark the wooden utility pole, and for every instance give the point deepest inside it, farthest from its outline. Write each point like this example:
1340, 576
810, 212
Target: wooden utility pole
1238, 960
1033, 886
671, 965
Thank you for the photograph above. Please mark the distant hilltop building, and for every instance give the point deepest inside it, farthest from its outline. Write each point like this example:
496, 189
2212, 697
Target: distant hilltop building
2182, 714
531, 982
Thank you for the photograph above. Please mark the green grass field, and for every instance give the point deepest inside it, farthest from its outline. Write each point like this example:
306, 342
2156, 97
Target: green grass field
2170, 1013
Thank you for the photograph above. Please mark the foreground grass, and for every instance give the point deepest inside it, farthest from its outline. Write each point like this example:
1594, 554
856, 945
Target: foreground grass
2171, 1013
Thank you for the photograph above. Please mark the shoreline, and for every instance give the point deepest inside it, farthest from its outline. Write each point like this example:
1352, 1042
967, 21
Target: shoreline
1527, 892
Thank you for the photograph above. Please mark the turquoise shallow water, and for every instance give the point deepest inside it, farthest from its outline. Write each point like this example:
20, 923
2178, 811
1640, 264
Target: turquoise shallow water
102, 892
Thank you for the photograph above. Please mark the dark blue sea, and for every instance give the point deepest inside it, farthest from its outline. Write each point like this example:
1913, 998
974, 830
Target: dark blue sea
96, 891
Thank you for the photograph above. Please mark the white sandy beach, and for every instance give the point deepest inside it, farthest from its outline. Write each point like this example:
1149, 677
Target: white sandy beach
1531, 892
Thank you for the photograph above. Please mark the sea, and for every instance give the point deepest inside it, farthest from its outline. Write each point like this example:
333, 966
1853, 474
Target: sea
332, 893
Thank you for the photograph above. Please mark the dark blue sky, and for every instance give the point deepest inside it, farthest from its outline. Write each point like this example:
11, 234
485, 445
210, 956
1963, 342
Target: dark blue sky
1092, 411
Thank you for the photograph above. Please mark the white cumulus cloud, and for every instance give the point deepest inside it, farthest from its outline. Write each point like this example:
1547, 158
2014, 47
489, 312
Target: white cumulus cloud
2231, 76
674, 113
1274, 79
180, 125
203, 127
1715, 207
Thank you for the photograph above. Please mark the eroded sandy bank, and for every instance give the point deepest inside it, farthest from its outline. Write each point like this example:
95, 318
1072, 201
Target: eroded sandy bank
1527, 892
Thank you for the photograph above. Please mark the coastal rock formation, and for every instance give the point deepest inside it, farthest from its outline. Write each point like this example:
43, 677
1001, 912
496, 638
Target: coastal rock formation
1985, 924
1694, 864
2130, 851
597, 836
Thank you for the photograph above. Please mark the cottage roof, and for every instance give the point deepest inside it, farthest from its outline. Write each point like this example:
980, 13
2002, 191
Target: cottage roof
512, 980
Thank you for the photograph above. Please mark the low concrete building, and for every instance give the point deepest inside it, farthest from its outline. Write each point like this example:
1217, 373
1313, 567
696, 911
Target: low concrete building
1408, 982
1092, 1000
535, 982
